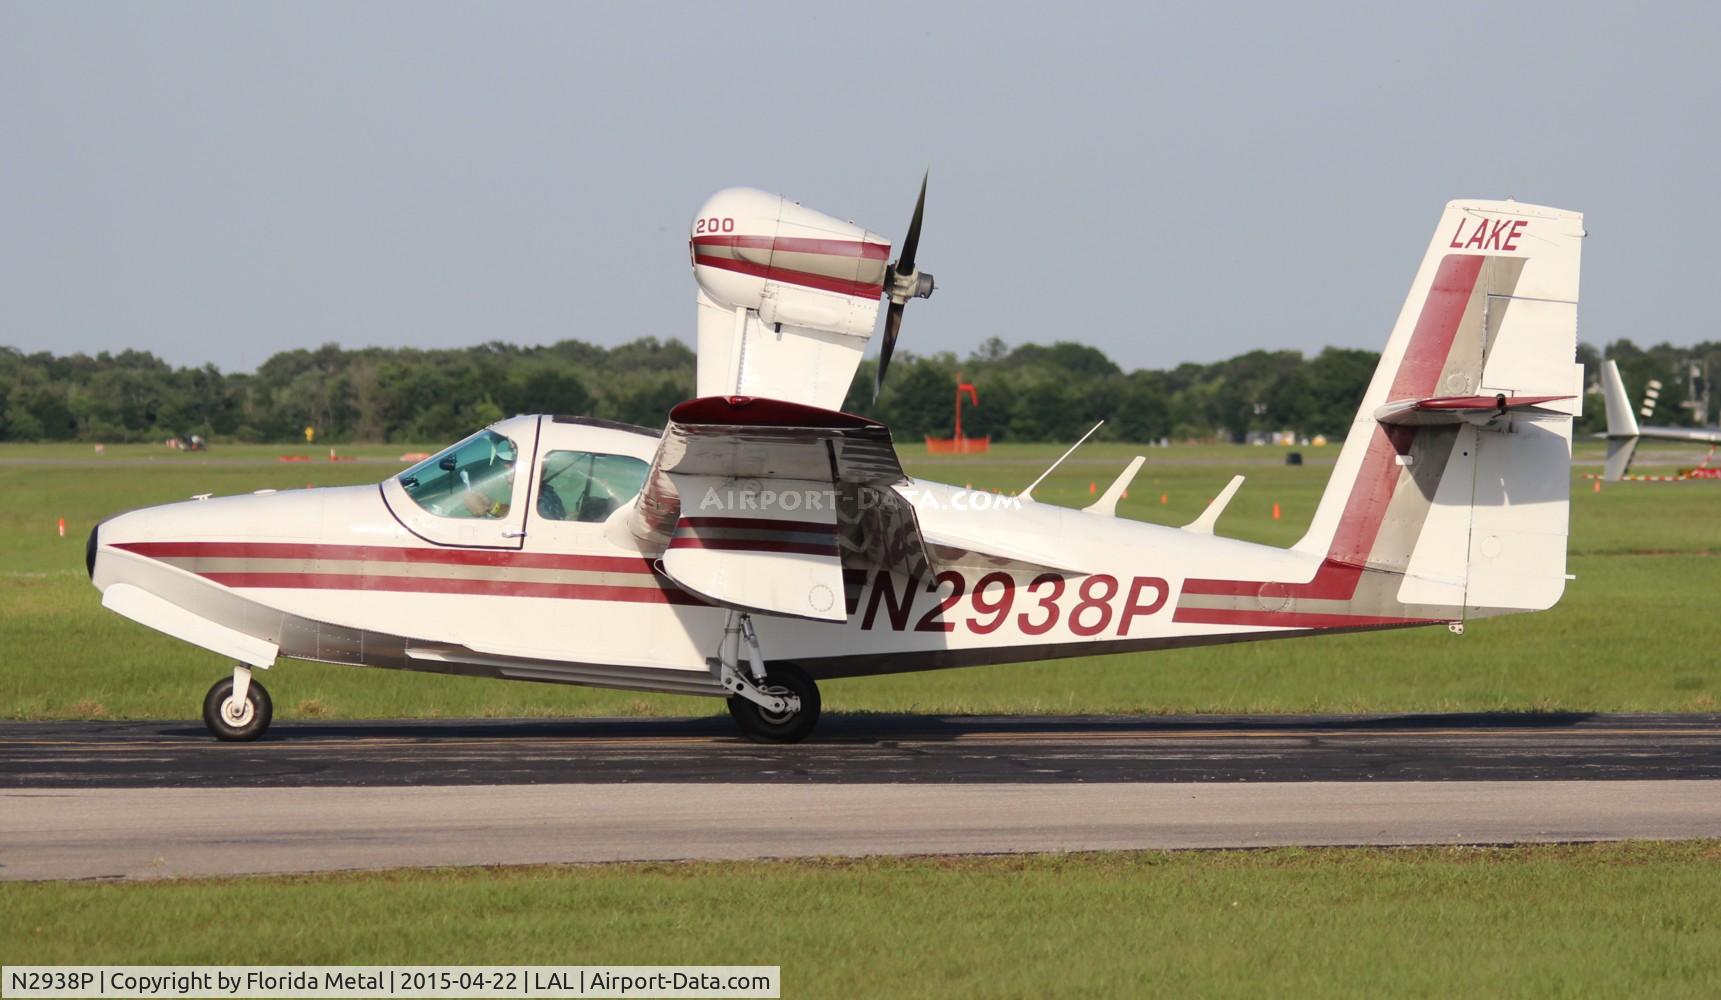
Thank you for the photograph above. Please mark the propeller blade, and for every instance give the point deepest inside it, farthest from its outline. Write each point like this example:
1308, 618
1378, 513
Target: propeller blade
892, 324
911, 242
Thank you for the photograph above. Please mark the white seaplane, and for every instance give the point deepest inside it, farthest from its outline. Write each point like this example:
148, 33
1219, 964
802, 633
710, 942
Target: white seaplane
763, 540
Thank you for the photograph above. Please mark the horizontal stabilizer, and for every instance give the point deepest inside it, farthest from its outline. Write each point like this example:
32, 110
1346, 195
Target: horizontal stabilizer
1465, 409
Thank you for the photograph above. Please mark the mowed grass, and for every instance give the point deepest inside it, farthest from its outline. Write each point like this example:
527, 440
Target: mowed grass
1639, 630
1609, 920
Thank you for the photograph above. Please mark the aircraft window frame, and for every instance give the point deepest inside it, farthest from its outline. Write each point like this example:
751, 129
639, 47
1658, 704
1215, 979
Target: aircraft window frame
612, 473
494, 461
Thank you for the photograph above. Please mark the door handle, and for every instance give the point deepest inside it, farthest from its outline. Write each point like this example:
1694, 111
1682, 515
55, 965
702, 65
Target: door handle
513, 534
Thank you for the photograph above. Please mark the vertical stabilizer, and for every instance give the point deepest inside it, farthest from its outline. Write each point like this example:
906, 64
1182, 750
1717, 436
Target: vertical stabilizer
1450, 497
1472, 509
1622, 430
1621, 422
1619, 454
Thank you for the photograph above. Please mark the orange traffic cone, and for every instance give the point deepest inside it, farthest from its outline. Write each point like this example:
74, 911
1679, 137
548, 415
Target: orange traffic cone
62, 527
1093, 488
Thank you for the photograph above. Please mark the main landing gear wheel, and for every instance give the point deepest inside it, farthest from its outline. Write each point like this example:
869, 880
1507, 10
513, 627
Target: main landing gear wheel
229, 719
763, 726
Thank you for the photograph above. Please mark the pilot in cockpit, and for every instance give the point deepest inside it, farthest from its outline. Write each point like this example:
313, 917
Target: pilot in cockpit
474, 478
490, 496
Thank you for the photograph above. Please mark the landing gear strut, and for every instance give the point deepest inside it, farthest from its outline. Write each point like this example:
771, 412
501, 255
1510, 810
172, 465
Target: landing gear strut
775, 704
237, 707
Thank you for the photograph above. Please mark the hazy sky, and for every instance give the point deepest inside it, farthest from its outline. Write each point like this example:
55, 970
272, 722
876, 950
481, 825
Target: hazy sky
216, 182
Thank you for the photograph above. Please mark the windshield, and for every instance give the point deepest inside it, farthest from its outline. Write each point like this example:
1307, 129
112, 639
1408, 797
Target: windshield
474, 478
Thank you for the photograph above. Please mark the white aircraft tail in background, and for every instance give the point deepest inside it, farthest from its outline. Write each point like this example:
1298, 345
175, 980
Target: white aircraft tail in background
1624, 432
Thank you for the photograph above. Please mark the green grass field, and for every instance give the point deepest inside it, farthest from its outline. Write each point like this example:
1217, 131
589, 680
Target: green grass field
1637, 630
1605, 920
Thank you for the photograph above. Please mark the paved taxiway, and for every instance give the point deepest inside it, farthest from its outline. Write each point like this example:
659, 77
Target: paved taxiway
84, 800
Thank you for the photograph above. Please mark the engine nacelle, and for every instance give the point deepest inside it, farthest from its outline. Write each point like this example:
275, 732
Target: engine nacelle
789, 264
787, 297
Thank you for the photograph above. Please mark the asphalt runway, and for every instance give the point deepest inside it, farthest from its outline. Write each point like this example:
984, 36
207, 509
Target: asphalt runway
861, 749
149, 799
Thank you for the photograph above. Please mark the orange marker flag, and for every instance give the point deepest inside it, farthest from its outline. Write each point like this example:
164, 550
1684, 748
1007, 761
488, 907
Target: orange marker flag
1163, 498
1275, 510
1598, 487
1092, 488
62, 527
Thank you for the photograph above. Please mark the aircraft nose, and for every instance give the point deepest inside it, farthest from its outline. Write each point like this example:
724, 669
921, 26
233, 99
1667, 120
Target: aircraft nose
90, 551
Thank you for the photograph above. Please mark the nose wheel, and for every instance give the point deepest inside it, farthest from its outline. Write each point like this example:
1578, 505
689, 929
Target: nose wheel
237, 708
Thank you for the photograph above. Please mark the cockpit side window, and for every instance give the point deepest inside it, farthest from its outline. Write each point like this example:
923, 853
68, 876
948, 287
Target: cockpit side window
587, 486
474, 478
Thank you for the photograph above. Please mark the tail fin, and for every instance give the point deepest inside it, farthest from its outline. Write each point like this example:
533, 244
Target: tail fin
1619, 454
1621, 423
1468, 501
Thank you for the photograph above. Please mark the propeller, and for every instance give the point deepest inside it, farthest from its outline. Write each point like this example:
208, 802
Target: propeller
905, 283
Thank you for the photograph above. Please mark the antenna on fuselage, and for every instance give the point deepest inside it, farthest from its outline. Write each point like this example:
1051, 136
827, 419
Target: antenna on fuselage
1028, 494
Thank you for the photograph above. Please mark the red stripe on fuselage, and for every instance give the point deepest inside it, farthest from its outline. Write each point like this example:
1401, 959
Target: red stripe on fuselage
441, 585
791, 244
760, 524
1290, 619
652, 588
386, 554
859, 289
753, 545
1377, 478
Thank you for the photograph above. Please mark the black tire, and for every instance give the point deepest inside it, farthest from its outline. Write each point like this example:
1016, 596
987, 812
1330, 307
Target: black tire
761, 726
223, 728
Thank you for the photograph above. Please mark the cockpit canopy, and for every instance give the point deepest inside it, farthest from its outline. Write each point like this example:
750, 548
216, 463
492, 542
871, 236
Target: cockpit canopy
486, 489
470, 479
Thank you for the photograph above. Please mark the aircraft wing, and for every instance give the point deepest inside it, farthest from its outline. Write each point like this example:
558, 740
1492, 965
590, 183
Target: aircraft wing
761, 504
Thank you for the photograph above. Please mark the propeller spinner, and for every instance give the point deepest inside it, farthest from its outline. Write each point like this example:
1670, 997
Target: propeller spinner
905, 283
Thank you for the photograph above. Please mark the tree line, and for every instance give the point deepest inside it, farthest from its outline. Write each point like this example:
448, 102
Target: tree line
1030, 392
